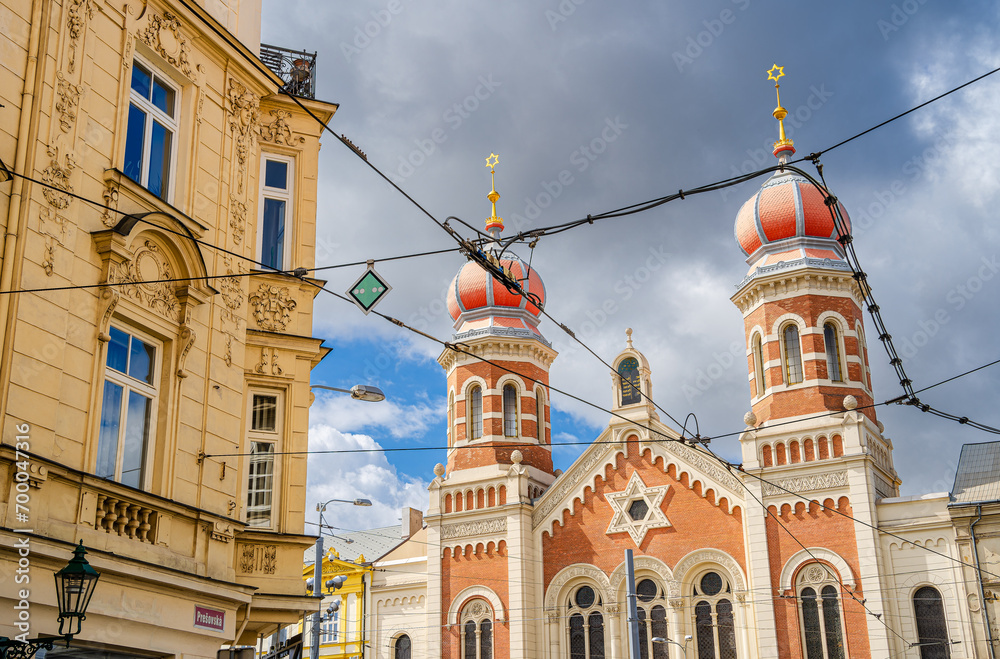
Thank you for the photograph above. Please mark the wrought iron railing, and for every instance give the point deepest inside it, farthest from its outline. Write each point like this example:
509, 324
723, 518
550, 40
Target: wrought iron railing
296, 67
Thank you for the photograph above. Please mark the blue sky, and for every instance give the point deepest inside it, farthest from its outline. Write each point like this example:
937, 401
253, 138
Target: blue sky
595, 105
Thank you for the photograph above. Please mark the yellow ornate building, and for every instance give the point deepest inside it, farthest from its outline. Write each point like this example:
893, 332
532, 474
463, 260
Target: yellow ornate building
154, 368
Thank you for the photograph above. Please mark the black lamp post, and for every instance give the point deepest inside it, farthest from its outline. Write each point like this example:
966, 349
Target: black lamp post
75, 585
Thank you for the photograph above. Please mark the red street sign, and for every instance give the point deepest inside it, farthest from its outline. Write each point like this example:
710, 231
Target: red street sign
209, 619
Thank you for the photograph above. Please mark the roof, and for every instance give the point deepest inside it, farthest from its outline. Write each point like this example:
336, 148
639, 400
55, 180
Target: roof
977, 479
372, 544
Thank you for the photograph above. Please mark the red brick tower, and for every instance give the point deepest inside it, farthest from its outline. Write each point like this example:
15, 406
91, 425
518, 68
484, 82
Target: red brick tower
480, 554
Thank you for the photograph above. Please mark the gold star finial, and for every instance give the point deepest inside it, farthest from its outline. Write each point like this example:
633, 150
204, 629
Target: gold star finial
495, 158
493, 223
783, 143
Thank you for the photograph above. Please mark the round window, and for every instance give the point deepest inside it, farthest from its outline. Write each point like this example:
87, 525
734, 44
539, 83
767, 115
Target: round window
585, 597
646, 590
711, 584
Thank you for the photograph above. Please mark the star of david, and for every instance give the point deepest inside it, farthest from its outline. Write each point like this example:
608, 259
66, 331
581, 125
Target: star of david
631, 501
495, 158
771, 72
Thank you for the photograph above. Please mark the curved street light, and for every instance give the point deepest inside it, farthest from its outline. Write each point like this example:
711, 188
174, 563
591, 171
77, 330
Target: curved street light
660, 639
365, 392
75, 585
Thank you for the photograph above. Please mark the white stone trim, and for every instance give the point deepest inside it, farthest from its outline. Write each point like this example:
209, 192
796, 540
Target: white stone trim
810, 555
699, 558
648, 564
499, 615
576, 573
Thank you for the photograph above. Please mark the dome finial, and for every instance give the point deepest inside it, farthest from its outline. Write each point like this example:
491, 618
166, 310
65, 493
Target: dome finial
494, 224
628, 336
783, 144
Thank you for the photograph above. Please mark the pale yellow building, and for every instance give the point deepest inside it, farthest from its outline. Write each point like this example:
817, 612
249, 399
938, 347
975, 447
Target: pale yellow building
154, 382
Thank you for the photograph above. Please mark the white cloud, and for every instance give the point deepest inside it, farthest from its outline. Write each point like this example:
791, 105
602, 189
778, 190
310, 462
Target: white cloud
395, 418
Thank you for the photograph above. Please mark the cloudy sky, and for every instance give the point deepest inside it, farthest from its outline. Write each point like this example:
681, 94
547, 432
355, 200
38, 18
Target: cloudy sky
595, 105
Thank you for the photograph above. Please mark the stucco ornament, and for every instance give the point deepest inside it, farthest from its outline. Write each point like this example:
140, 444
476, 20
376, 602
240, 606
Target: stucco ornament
637, 509
163, 34
278, 131
272, 307
244, 115
141, 280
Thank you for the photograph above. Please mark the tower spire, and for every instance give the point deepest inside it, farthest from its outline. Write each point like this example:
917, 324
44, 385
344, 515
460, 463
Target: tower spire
784, 147
494, 224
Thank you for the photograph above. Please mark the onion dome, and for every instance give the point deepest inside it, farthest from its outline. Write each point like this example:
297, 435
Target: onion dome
478, 302
787, 223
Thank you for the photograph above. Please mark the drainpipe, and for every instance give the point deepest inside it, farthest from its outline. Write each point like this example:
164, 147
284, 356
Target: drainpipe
363, 621
979, 582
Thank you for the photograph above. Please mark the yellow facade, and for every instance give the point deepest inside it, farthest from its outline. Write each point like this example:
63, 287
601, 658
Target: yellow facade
344, 636
151, 406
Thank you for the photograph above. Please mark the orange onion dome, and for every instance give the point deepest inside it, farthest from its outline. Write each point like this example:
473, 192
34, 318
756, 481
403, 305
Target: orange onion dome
480, 304
787, 207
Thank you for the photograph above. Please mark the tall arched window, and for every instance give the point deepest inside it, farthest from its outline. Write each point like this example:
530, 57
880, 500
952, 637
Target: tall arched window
652, 619
863, 354
475, 412
451, 413
628, 374
819, 597
758, 364
831, 342
932, 629
793, 355
586, 624
540, 415
509, 410
715, 627
401, 648
477, 630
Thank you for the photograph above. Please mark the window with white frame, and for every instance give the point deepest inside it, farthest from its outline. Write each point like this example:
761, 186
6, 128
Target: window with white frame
274, 233
477, 630
329, 630
760, 376
586, 624
793, 354
128, 408
509, 410
715, 626
264, 435
540, 415
151, 135
831, 343
475, 420
819, 604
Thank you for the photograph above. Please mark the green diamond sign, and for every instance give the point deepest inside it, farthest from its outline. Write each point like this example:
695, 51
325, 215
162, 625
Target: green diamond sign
368, 290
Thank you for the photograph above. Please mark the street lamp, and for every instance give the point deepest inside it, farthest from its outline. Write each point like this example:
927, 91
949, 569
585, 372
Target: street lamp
660, 639
365, 392
75, 585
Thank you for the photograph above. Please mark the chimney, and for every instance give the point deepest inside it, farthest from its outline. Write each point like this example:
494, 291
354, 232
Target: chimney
413, 521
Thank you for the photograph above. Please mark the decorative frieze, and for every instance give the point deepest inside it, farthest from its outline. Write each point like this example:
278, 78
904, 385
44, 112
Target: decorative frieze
258, 559
480, 527
802, 484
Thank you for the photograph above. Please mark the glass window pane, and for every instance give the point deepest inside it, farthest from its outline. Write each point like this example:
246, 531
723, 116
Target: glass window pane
470, 640
832, 352
140, 364
135, 136
727, 629
163, 97
793, 355
134, 441
577, 638
596, 622
585, 597
810, 622
831, 621
159, 161
477, 412
403, 647
107, 443
260, 484
509, 410
711, 584
704, 630
646, 589
118, 350
628, 371
932, 629
276, 174
265, 413
659, 616
486, 639
141, 80
273, 238
644, 636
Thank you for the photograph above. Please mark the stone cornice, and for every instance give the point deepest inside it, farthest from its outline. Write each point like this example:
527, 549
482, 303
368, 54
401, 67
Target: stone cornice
798, 282
499, 349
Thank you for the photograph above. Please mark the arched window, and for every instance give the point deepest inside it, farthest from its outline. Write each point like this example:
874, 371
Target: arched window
832, 343
628, 374
715, 627
793, 355
820, 607
509, 410
758, 364
586, 624
475, 412
540, 415
863, 354
932, 629
401, 648
477, 630
451, 413
652, 619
